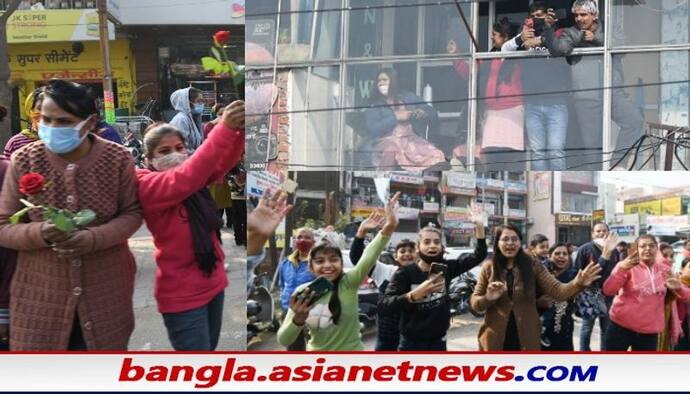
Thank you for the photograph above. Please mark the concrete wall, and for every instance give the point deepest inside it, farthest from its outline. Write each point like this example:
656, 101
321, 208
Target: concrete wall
541, 211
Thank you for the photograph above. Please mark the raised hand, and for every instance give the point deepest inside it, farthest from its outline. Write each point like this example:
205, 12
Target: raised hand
391, 219
264, 220
480, 219
374, 221
550, 17
673, 282
495, 290
588, 36
610, 243
233, 116
588, 275
631, 261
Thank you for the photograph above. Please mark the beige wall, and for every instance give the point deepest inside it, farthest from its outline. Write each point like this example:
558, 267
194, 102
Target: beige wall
540, 211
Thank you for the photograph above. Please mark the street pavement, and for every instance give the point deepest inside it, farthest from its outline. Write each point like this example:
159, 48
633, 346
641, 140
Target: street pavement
461, 336
149, 331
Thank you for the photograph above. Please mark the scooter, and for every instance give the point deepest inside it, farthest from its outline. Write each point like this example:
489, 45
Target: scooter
260, 308
460, 291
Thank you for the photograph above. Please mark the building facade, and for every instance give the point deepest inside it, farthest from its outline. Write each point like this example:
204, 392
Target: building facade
331, 51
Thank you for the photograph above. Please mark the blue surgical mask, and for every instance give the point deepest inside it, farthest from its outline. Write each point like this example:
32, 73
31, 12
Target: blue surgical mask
61, 139
199, 108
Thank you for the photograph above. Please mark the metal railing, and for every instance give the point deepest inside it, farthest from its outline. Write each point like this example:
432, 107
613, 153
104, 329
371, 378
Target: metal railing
51, 4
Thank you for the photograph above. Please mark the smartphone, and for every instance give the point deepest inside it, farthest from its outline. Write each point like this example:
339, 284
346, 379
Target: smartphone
438, 268
538, 25
319, 287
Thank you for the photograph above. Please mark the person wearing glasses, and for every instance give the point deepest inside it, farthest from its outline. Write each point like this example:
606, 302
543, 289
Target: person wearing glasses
506, 290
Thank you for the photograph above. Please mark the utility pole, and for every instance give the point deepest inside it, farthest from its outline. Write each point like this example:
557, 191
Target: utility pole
5, 87
108, 95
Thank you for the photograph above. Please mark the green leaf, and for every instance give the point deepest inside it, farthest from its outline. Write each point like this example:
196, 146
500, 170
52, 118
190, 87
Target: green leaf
211, 64
14, 219
63, 222
84, 217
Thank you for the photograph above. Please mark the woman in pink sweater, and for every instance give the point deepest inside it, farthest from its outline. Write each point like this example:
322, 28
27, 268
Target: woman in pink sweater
639, 284
179, 211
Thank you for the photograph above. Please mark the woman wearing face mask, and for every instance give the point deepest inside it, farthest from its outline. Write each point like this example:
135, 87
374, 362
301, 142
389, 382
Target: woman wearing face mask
32, 106
78, 284
182, 218
557, 316
293, 272
421, 297
392, 120
506, 290
640, 284
332, 320
387, 324
189, 104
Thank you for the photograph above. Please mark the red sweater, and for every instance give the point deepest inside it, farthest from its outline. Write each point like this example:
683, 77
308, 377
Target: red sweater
180, 284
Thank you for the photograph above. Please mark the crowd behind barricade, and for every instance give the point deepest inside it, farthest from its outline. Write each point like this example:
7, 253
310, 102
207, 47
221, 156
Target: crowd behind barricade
526, 106
530, 292
72, 197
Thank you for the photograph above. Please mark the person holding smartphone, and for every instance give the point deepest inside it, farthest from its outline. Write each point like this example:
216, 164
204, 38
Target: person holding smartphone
419, 292
506, 290
546, 115
332, 317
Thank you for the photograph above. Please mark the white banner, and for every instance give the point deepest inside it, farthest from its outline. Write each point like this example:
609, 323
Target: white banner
399, 372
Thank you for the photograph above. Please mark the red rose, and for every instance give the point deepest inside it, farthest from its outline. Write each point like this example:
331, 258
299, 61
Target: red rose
222, 37
31, 183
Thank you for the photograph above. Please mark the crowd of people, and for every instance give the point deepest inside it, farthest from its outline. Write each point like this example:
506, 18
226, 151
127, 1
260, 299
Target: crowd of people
72, 288
526, 106
530, 292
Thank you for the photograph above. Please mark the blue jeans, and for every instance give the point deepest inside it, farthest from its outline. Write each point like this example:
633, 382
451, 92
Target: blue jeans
586, 332
197, 329
407, 344
547, 126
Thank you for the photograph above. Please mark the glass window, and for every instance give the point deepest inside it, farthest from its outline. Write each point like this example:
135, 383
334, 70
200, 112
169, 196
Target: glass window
572, 202
444, 29
314, 103
649, 22
545, 111
421, 131
656, 101
260, 32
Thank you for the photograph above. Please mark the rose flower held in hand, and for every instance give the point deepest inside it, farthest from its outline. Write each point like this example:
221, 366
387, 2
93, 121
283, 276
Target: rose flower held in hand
33, 184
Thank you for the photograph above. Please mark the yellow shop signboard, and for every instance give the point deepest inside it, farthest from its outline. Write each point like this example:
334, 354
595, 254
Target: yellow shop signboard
54, 26
32, 65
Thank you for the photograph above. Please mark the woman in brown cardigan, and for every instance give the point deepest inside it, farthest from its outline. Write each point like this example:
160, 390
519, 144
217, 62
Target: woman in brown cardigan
71, 291
506, 290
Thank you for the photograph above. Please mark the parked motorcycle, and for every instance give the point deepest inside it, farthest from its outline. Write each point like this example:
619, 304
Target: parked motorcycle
260, 307
460, 291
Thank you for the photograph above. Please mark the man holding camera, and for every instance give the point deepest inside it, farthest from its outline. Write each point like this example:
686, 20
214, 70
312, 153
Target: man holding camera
588, 85
546, 115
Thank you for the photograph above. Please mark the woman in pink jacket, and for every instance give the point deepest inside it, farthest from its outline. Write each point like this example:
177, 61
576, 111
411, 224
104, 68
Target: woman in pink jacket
639, 284
179, 211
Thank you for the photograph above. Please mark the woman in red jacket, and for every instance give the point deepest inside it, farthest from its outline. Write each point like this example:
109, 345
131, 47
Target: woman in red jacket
179, 211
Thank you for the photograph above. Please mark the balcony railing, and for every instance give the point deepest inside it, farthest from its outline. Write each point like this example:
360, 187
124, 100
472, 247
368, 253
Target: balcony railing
51, 4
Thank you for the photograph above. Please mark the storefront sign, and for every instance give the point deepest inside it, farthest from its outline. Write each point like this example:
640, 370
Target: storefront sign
541, 186
649, 207
32, 65
405, 213
598, 215
258, 181
456, 214
666, 225
491, 183
461, 180
55, 26
362, 212
517, 187
406, 178
431, 207
574, 220
624, 231
671, 206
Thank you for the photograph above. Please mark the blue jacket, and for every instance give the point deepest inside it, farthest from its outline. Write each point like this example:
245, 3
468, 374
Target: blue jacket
291, 277
108, 132
381, 121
